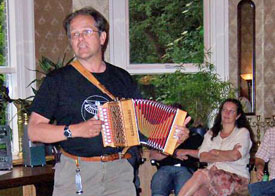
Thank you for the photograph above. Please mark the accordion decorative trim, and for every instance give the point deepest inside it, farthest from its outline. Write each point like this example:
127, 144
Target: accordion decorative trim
125, 118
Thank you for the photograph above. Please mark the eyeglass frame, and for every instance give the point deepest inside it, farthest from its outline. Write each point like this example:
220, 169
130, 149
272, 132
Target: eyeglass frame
83, 34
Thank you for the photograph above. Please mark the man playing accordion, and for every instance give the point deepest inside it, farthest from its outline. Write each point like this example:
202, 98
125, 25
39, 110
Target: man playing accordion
67, 98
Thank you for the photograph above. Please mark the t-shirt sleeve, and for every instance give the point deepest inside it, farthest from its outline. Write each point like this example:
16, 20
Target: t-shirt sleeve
264, 149
46, 99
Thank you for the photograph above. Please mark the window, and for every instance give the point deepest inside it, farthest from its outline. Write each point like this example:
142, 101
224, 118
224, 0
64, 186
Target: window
3, 55
162, 31
215, 14
17, 49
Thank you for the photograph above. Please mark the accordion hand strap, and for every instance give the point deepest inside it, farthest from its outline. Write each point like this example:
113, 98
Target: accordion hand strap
88, 75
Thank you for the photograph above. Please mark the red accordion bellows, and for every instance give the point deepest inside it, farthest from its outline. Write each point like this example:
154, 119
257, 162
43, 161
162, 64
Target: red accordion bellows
123, 119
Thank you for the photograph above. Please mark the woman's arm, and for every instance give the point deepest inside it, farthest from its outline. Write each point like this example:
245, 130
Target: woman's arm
242, 145
221, 155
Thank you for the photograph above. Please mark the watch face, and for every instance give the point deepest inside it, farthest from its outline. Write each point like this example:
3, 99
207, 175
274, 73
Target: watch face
67, 132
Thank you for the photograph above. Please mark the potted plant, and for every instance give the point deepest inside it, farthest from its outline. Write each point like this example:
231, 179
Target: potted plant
200, 93
46, 66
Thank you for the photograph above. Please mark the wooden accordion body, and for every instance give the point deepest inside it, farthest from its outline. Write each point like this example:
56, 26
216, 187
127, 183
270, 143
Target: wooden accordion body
125, 118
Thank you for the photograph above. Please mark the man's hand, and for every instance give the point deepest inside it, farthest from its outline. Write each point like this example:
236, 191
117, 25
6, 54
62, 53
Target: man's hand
181, 154
87, 129
259, 163
260, 173
182, 133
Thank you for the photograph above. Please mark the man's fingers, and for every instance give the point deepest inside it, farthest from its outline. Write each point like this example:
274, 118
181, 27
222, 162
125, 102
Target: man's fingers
187, 120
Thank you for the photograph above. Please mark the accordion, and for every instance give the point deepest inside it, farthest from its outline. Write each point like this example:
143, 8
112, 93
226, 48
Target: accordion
122, 121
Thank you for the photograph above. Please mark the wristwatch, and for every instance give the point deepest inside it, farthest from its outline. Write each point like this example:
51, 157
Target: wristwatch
67, 132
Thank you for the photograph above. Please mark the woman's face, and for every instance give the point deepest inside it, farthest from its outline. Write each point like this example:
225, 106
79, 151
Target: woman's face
229, 113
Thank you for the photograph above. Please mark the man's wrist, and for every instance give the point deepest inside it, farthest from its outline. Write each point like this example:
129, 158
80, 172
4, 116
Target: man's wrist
67, 132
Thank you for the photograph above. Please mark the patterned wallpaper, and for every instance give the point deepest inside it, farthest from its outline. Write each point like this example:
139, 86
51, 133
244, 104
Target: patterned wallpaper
265, 50
50, 38
269, 57
101, 5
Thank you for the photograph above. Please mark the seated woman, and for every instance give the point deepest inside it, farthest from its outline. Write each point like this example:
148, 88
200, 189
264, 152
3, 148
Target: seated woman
226, 149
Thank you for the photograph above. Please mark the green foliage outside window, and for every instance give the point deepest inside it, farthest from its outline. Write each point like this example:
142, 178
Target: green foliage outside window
199, 93
171, 31
3, 104
2, 58
166, 31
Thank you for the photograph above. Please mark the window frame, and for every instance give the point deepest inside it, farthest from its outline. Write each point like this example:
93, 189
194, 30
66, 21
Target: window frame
215, 39
20, 59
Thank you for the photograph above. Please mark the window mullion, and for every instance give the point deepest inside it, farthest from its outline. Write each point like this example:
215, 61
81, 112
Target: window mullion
21, 57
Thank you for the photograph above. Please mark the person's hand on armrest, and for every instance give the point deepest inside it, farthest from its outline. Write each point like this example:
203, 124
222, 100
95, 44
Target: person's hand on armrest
157, 155
182, 153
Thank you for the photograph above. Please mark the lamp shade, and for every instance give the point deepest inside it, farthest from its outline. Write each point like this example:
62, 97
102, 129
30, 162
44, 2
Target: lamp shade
247, 76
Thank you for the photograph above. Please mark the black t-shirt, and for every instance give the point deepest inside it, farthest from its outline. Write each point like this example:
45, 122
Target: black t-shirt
66, 97
193, 142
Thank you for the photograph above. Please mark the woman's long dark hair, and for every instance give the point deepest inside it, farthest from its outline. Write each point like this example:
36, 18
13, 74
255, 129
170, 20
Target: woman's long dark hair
240, 122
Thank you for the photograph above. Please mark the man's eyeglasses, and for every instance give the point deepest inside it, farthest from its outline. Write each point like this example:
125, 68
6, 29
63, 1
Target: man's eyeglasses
85, 33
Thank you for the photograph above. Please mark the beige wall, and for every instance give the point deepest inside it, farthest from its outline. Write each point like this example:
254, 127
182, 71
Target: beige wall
265, 50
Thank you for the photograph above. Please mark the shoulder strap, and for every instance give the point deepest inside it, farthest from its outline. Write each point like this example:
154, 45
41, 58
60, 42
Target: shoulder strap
88, 75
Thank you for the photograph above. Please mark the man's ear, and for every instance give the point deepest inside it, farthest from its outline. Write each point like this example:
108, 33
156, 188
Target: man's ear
103, 37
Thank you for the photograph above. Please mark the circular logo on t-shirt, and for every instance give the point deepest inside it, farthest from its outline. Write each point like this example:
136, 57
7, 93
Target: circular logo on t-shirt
89, 106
